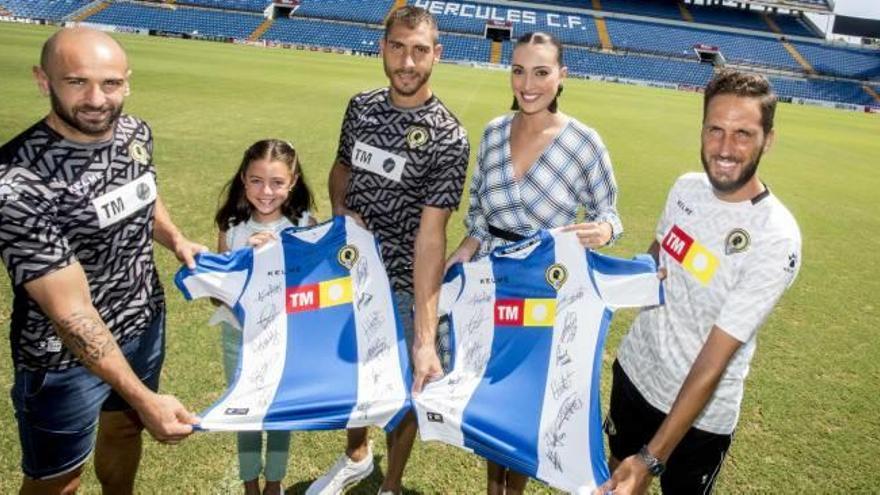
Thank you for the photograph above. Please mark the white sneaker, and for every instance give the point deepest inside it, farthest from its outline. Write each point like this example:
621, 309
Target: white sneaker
344, 473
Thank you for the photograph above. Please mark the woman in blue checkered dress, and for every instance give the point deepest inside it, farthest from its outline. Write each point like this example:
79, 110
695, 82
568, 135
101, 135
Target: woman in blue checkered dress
537, 168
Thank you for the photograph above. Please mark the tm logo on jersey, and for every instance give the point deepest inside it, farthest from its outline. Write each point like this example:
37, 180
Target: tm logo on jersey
525, 312
321, 295
695, 258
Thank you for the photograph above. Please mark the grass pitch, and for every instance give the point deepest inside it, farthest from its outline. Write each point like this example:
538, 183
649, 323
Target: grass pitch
810, 421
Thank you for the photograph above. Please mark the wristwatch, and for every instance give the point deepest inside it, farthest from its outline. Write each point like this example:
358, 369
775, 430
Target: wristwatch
655, 466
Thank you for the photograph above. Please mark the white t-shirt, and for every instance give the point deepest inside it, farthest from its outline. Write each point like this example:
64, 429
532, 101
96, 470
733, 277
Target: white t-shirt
236, 238
728, 264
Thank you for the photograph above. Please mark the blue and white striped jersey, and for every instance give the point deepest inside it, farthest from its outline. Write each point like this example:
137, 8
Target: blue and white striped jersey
528, 324
322, 347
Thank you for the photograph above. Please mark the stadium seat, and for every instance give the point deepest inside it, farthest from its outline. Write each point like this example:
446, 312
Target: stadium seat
50, 10
372, 12
184, 20
245, 5
643, 50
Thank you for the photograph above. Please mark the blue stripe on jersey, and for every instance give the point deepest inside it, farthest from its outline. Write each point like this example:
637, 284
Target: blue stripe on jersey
597, 446
518, 363
642, 263
232, 261
317, 339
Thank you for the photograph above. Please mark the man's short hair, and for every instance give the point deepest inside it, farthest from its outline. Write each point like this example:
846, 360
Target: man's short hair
746, 85
412, 17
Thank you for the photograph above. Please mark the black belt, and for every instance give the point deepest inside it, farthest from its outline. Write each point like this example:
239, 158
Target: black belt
505, 234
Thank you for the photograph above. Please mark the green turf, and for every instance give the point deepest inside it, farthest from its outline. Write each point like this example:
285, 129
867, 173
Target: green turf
810, 421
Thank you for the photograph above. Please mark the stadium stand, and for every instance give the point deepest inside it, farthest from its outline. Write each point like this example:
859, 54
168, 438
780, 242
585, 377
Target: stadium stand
819, 89
656, 46
180, 19
471, 17
243, 5
49, 10
586, 62
365, 40
715, 15
319, 33
465, 48
749, 19
679, 41
844, 62
346, 10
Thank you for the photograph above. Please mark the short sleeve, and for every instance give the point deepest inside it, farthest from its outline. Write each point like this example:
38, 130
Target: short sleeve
765, 277
31, 241
665, 221
222, 276
625, 283
445, 181
346, 136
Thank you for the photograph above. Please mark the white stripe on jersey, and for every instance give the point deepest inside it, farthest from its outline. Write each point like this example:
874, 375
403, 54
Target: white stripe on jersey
379, 373
263, 349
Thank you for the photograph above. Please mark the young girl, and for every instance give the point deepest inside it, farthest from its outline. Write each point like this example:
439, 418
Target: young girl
267, 194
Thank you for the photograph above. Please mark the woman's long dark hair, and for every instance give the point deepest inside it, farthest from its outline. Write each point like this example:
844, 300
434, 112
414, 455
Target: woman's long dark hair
540, 38
235, 208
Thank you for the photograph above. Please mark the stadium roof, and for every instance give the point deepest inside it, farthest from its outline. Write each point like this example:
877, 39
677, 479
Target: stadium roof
817, 6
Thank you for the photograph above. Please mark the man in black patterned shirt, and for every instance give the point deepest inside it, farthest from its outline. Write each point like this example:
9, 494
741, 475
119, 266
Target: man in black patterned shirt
400, 171
79, 212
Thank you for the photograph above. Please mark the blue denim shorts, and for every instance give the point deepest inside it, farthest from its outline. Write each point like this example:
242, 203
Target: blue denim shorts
57, 411
404, 302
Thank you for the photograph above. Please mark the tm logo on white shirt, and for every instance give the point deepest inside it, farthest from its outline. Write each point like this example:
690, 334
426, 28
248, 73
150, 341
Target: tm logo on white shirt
378, 161
123, 202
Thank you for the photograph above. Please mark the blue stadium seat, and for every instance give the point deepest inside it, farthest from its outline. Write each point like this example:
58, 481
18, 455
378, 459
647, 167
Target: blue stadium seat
50, 10
363, 39
818, 89
245, 5
846, 62
372, 12
465, 48
630, 66
319, 33
471, 17
644, 50
679, 41
179, 19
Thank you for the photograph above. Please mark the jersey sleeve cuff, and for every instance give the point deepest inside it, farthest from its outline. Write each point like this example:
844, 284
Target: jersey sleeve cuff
45, 270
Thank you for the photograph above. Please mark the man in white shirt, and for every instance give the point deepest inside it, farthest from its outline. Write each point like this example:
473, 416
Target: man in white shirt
730, 249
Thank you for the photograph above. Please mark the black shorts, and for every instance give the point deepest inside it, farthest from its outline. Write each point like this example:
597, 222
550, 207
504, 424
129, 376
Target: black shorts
632, 422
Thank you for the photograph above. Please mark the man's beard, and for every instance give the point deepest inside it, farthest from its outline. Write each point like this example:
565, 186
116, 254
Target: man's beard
420, 82
748, 171
85, 127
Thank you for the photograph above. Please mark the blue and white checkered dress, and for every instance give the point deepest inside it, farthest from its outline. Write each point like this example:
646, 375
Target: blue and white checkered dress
573, 172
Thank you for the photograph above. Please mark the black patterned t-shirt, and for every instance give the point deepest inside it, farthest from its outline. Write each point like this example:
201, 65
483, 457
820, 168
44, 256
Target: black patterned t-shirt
63, 202
401, 160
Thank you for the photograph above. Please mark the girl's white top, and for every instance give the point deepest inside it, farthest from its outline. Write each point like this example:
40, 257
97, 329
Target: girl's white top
236, 238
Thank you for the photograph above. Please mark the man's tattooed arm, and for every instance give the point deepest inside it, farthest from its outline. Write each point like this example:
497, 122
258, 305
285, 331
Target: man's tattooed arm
64, 297
87, 337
